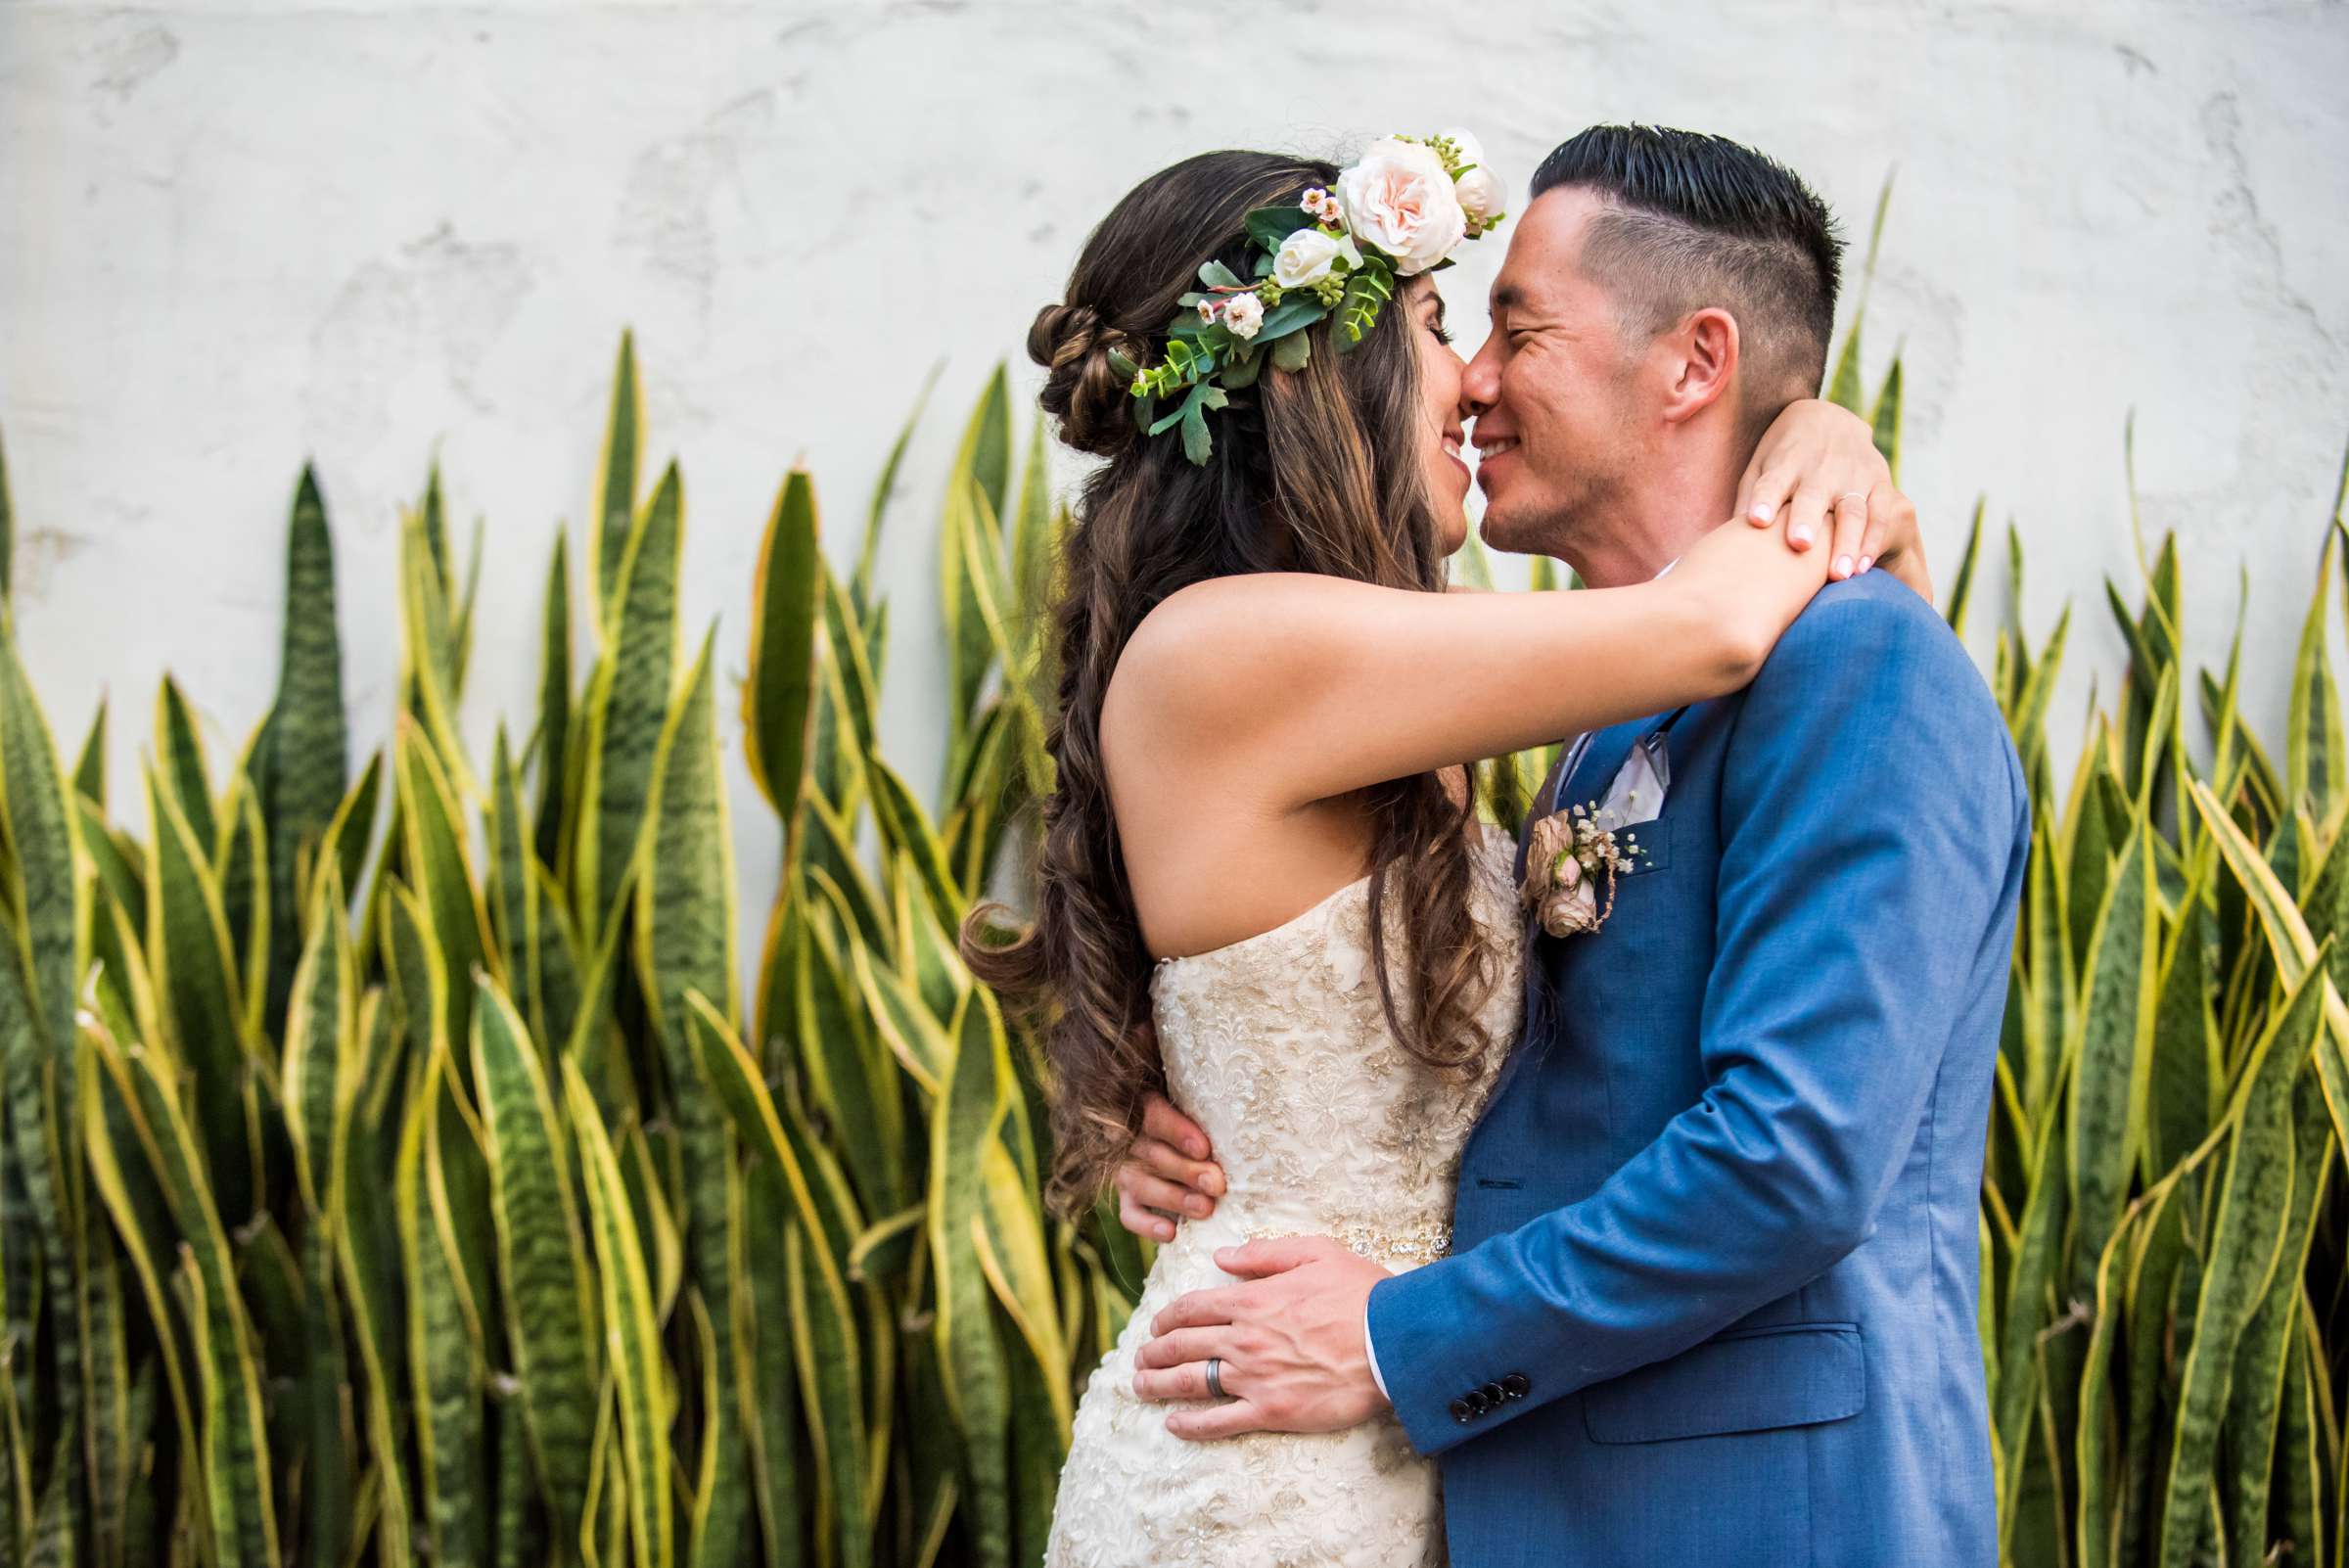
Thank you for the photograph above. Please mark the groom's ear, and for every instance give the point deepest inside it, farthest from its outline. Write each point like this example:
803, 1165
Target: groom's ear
1700, 363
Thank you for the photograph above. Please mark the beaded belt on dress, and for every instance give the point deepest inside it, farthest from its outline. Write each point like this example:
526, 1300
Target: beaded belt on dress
1410, 1242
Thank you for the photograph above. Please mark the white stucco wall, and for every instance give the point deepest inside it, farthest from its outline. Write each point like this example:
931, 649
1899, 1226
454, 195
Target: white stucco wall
236, 235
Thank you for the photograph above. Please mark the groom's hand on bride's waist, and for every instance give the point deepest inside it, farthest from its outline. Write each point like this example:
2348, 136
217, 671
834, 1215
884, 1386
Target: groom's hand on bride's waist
1167, 1173
1288, 1340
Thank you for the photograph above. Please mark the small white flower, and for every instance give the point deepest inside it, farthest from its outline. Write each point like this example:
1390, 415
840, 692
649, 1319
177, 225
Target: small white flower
1244, 314
1304, 257
1207, 311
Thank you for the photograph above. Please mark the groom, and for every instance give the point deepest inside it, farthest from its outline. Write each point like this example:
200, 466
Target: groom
1716, 1261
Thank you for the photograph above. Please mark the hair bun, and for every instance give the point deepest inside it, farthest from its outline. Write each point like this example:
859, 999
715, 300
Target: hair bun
1083, 389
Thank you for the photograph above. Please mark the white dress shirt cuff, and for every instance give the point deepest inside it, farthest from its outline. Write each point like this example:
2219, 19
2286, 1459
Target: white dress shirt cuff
1370, 1349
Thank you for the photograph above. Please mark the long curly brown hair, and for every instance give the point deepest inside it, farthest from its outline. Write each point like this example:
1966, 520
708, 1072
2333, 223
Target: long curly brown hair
1317, 470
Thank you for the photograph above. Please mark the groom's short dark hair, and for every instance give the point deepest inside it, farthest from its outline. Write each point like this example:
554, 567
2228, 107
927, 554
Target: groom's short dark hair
1700, 220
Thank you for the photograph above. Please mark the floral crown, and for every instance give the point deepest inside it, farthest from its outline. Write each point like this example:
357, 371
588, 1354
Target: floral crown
1402, 211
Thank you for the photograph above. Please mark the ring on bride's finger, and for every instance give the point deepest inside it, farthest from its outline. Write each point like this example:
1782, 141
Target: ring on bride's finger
1848, 494
1215, 1377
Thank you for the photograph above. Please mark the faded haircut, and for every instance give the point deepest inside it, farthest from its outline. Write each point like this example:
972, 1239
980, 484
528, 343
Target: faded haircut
1695, 221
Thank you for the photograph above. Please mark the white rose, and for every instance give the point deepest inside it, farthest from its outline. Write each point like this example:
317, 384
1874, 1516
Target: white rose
1244, 316
1400, 199
1479, 194
1304, 257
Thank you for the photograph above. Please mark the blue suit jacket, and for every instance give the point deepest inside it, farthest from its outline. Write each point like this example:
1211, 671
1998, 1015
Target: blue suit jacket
1713, 1297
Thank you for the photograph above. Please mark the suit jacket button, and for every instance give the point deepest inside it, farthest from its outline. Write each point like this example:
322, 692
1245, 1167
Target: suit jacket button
1476, 1401
1461, 1411
1494, 1394
1514, 1386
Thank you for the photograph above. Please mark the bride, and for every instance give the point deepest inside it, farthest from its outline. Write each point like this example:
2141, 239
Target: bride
1263, 841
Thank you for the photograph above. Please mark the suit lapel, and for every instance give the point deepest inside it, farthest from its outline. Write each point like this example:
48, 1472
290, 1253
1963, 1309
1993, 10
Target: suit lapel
1582, 775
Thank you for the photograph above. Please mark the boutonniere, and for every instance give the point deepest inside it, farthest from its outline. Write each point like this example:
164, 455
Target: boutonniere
1568, 856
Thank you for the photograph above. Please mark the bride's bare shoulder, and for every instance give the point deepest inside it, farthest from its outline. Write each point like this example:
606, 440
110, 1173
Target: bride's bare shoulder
1229, 634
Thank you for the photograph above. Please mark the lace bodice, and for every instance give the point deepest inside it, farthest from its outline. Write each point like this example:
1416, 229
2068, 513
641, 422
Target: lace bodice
1278, 1046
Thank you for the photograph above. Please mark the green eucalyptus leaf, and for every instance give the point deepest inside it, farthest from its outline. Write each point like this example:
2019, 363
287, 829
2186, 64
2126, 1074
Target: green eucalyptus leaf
1269, 226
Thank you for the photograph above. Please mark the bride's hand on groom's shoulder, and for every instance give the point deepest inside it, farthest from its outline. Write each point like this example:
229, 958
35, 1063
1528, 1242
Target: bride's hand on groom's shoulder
1168, 1172
1817, 470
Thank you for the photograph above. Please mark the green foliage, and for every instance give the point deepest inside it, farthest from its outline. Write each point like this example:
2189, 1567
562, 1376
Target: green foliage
422, 1187
410, 1189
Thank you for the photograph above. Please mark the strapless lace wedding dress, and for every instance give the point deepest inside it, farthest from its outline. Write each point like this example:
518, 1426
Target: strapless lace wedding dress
1323, 1124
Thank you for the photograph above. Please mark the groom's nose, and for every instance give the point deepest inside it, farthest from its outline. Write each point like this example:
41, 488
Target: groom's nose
1480, 384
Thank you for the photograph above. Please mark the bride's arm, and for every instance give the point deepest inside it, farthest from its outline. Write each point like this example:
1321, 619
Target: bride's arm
1301, 687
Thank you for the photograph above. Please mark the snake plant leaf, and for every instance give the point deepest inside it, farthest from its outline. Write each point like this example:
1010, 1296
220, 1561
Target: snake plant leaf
345, 842
2028, 721
245, 902
2111, 1059
774, 1421
460, 653
685, 884
627, 703
235, 1441
980, 477
1961, 590
906, 826
51, 897
1013, 1255
322, 1044
852, 1080
180, 750
307, 768
549, 1288
978, 1388
2028, 1308
89, 767
438, 860
2153, 1275
444, 1359
428, 691
1885, 418
778, 698
124, 1166
631, 1334
196, 980
868, 550
2315, 766
2255, 1399
553, 741
685, 947
904, 1021
616, 485
510, 896
2186, 1068
927, 955
2247, 1238
363, 1226
833, 861
2292, 948
858, 694
823, 1318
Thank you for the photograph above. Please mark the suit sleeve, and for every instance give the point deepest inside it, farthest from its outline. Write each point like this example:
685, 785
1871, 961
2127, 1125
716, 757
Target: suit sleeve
1870, 813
